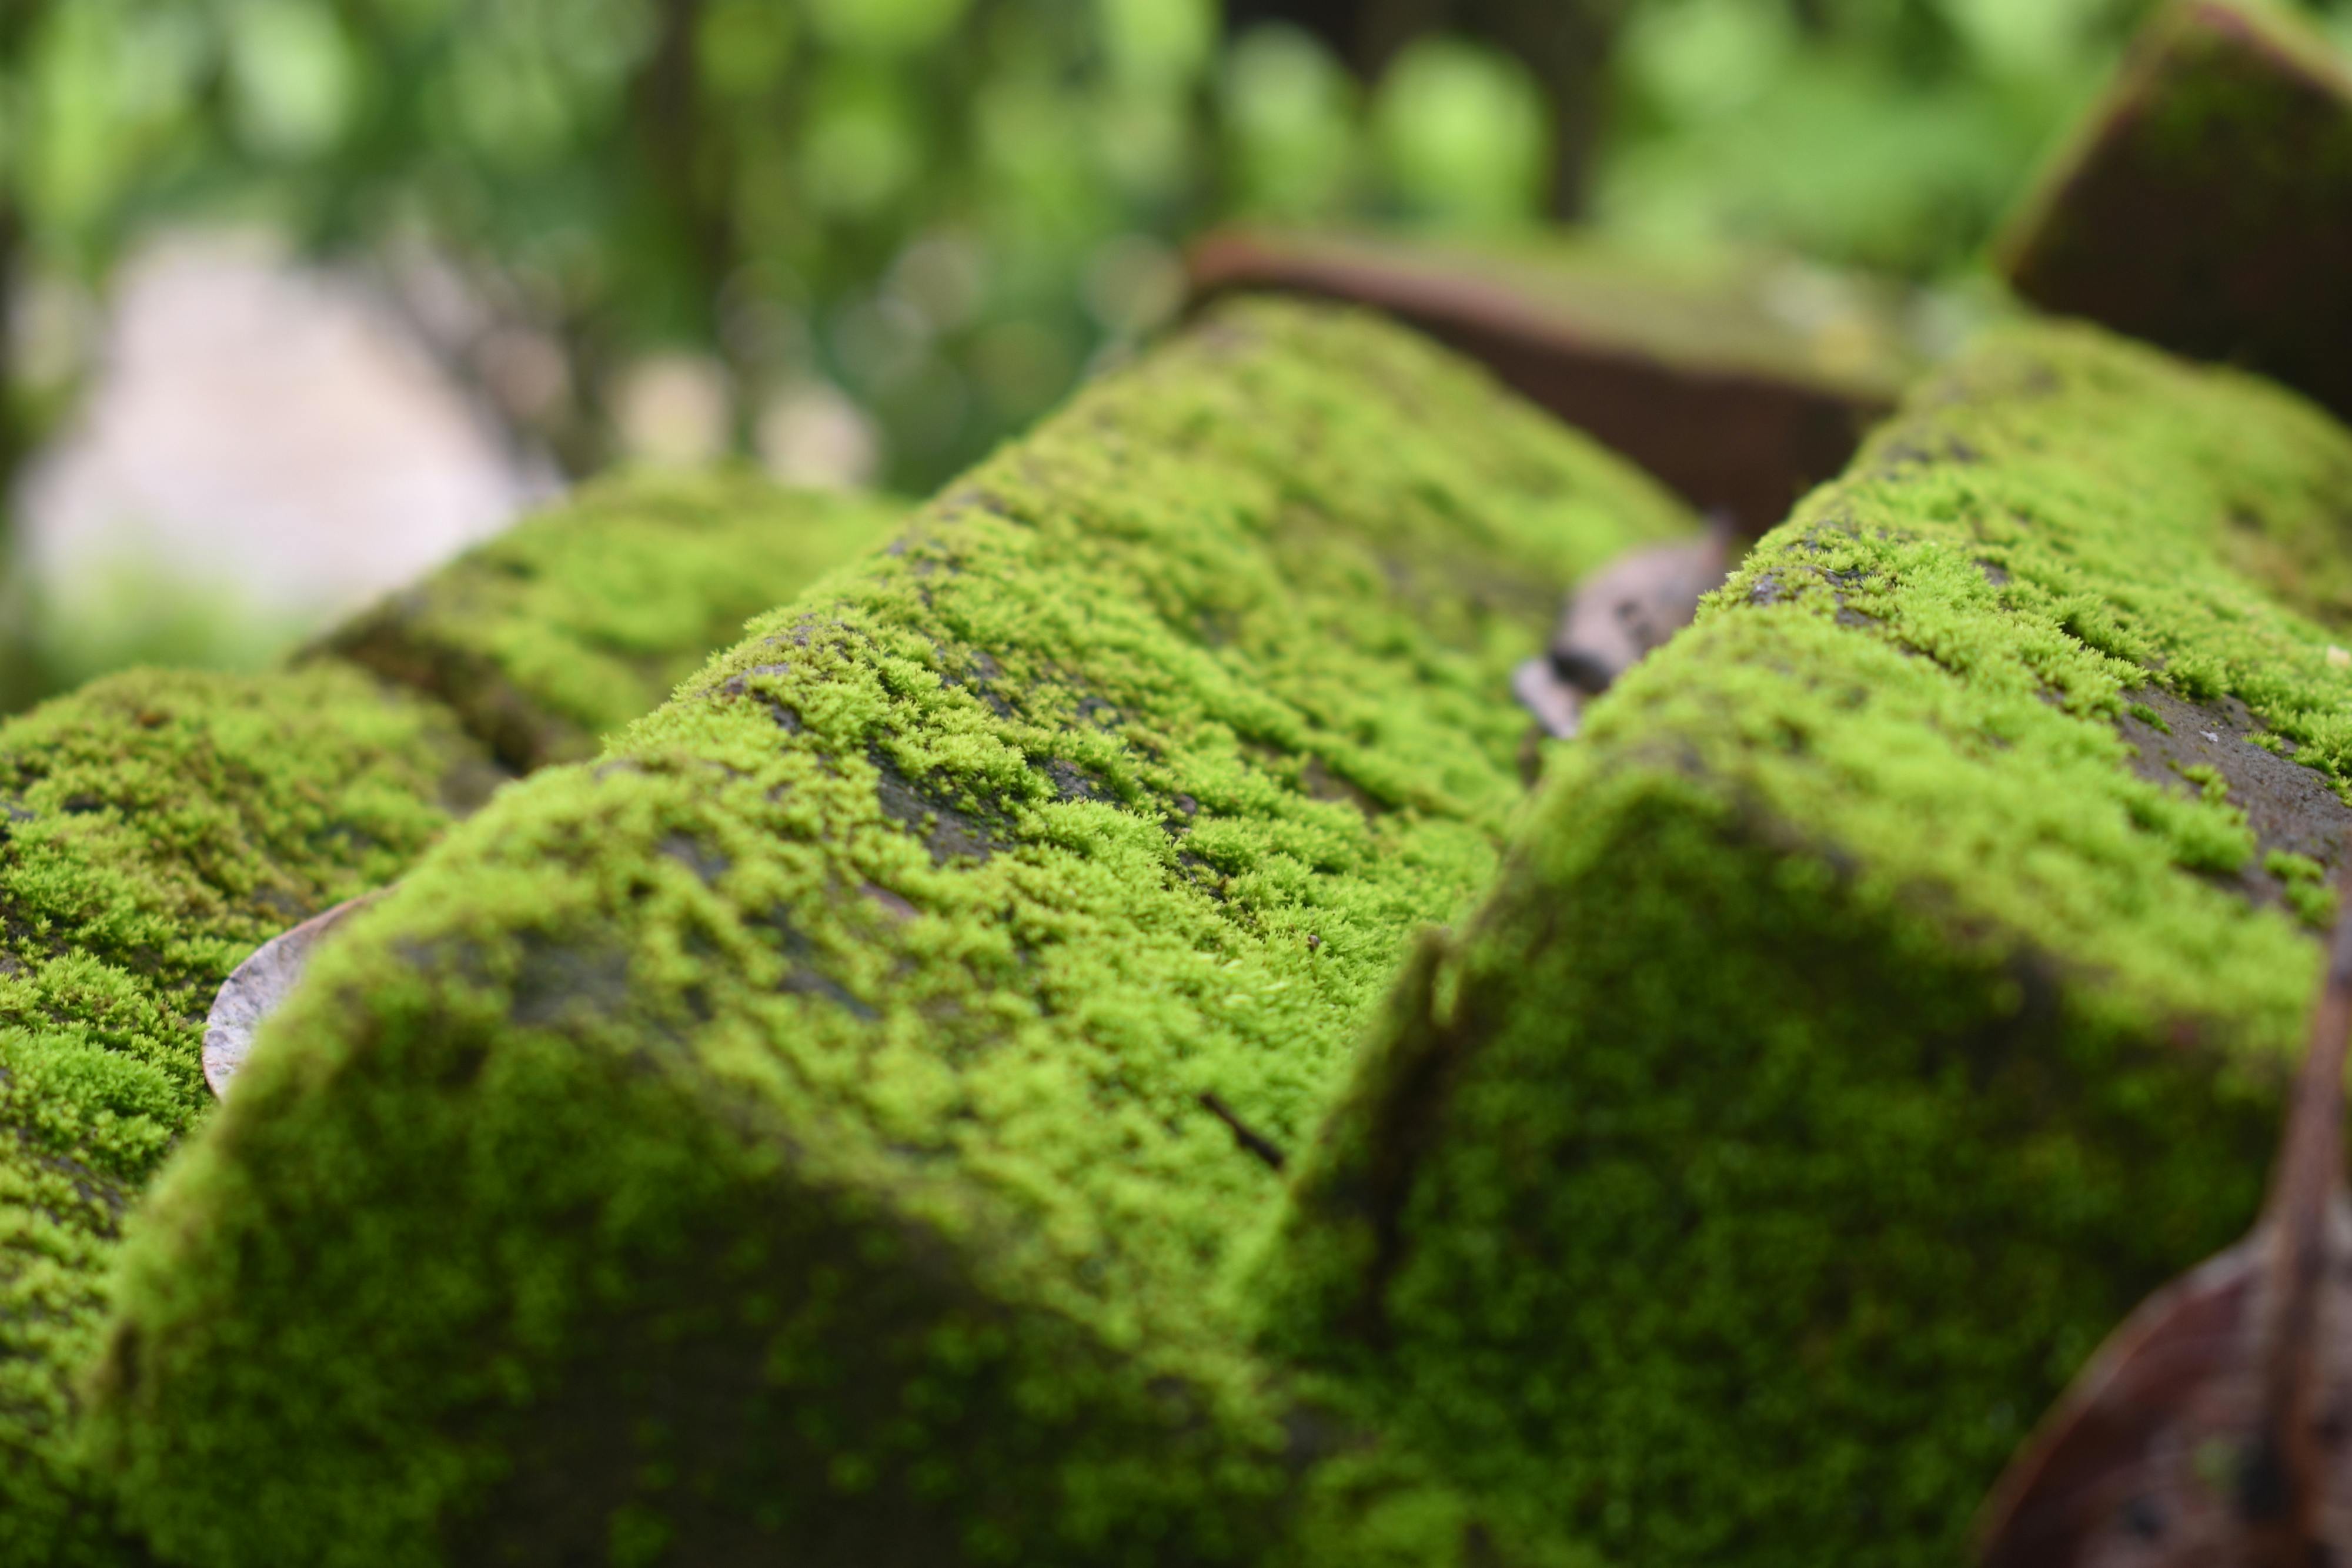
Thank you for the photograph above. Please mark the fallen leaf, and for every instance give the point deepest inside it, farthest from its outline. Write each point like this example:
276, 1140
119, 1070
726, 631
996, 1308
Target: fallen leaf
255, 988
2211, 1429
1614, 617
1559, 707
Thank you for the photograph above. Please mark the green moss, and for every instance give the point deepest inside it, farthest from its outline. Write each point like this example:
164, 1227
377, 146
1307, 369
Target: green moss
1858, 1030
2210, 786
2288, 866
576, 621
2215, 73
2303, 882
788, 1130
159, 827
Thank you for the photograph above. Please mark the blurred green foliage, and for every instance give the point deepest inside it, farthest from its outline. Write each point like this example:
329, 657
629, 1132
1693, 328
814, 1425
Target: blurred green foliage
946, 207
1888, 134
949, 208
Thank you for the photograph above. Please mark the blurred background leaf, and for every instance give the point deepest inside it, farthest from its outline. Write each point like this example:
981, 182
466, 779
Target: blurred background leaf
862, 241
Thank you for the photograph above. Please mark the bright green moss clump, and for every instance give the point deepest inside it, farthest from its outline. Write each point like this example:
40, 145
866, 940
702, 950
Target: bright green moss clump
159, 827
1859, 1029
577, 621
786, 1137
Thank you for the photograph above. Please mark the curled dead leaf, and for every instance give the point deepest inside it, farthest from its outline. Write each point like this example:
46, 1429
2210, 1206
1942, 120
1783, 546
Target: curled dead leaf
1559, 707
2215, 1426
255, 988
1614, 617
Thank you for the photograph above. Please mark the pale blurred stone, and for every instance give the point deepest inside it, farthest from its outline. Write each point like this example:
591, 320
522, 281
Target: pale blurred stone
263, 431
812, 434
674, 409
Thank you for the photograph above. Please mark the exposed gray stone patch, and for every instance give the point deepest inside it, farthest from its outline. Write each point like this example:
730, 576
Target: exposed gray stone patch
947, 830
2288, 806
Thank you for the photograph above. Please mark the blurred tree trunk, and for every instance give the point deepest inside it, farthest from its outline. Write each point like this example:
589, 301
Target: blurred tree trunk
666, 102
20, 679
17, 21
13, 438
1565, 43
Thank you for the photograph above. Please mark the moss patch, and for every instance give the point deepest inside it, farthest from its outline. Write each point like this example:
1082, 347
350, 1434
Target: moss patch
577, 621
159, 827
1874, 1008
789, 1129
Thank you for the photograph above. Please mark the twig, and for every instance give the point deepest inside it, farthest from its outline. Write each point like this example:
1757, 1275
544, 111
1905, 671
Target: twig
1256, 1142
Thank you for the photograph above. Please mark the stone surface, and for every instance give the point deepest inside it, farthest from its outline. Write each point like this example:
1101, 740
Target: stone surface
1738, 394
159, 827
809, 1130
1895, 985
2207, 204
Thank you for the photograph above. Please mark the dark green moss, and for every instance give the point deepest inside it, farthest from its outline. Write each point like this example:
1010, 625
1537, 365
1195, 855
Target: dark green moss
577, 621
787, 1135
1859, 1029
159, 827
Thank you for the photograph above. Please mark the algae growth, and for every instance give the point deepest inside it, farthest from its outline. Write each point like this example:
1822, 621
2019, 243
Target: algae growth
791, 1128
1861, 1027
159, 827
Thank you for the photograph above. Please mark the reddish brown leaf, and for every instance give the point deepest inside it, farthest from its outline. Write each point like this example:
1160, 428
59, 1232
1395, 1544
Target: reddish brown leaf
2211, 1429
1615, 617
1704, 383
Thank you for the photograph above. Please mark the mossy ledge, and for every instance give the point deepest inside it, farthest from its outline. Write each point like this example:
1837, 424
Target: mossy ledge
1859, 1028
1683, 371
558, 632
784, 1135
159, 827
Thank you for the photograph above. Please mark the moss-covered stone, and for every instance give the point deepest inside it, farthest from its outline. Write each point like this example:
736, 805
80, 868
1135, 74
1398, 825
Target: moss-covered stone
1690, 371
2206, 205
158, 827
1859, 1027
786, 1137
565, 629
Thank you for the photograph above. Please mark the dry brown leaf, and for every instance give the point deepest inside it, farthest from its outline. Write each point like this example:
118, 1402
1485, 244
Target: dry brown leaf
2211, 1429
1614, 617
255, 988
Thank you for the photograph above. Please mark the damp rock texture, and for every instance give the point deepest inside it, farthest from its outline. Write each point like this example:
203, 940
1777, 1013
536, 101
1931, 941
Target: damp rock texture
1706, 377
1896, 984
2207, 204
821, 1127
156, 828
